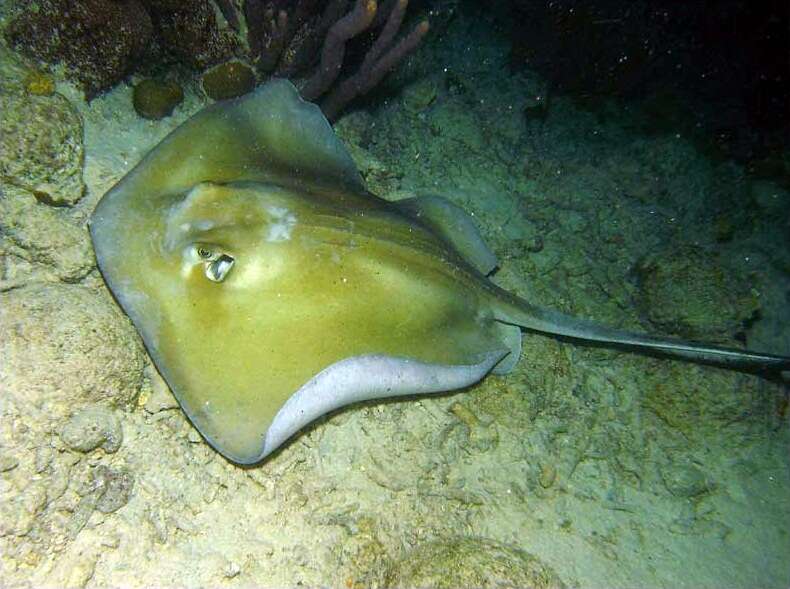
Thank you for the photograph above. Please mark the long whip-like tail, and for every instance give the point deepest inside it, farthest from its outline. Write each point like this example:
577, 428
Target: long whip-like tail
516, 311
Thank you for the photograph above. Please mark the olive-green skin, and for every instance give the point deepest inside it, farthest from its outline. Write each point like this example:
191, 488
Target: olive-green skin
323, 270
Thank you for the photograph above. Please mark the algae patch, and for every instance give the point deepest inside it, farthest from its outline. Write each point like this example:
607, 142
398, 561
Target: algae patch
228, 80
156, 99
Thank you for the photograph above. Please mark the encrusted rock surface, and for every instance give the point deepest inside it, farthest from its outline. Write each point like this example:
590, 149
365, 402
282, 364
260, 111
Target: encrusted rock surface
66, 346
42, 235
41, 146
692, 294
471, 562
156, 99
228, 80
91, 428
189, 32
97, 40
70, 361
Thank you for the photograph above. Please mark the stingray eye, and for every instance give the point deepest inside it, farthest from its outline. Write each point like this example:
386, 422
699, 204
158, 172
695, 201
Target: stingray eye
216, 264
218, 269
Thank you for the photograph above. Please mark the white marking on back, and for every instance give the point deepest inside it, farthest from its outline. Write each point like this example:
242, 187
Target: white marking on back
282, 224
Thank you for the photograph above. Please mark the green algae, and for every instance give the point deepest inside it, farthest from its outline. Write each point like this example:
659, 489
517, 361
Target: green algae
156, 99
228, 80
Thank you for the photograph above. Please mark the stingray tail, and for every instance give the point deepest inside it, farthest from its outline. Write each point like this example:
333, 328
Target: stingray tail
516, 311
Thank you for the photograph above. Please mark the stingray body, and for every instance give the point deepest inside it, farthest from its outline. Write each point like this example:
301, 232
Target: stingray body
270, 287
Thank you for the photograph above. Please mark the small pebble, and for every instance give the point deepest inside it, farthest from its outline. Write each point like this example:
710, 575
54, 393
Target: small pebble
39, 84
228, 80
43, 458
159, 398
547, 476
231, 570
91, 428
156, 99
7, 462
685, 480
117, 483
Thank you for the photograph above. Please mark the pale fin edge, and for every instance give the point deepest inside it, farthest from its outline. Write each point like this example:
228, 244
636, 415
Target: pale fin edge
362, 378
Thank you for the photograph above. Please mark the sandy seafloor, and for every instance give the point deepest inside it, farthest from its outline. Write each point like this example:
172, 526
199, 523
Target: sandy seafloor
611, 468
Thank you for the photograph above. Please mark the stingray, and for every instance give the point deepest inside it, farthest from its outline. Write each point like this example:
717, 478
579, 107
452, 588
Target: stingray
271, 288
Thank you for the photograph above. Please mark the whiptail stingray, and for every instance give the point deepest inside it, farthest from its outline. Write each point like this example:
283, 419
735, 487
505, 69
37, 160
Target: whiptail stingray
270, 287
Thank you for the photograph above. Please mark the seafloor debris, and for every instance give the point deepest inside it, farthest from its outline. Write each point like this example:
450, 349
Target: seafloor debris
471, 562
115, 487
91, 428
107, 490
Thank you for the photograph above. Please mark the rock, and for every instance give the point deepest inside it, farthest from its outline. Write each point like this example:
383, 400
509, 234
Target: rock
114, 486
156, 99
14, 70
39, 84
64, 346
547, 475
685, 480
536, 107
723, 228
41, 146
523, 247
188, 31
703, 405
99, 41
420, 95
158, 395
689, 293
73, 569
91, 428
357, 129
470, 562
228, 80
231, 570
43, 235
8, 462
769, 197
19, 516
